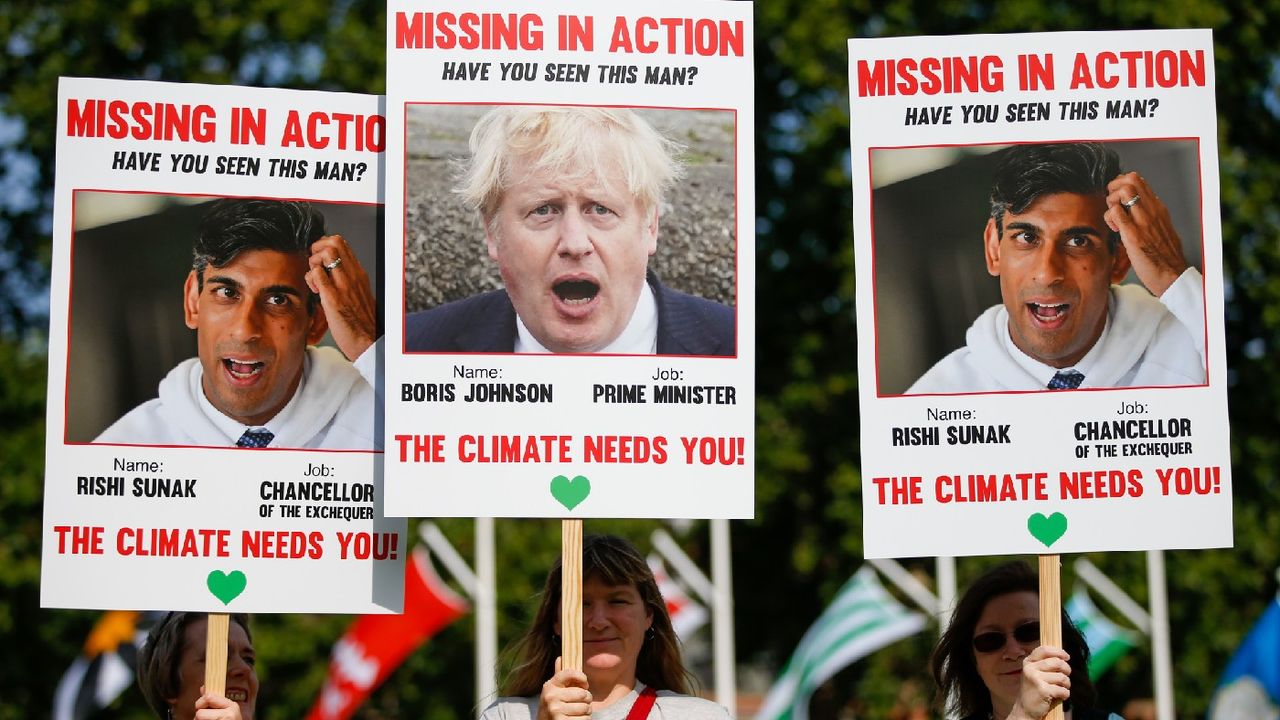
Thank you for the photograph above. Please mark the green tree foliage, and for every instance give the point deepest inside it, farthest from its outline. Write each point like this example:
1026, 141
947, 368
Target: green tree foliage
269, 42
808, 430
807, 538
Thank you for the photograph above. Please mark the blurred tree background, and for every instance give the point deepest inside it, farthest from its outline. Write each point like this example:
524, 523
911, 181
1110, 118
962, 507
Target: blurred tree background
806, 540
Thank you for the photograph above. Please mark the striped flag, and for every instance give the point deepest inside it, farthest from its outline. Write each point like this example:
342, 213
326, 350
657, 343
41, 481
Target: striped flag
862, 619
1107, 641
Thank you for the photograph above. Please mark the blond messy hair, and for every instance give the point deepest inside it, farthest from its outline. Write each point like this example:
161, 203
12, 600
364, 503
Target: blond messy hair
573, 143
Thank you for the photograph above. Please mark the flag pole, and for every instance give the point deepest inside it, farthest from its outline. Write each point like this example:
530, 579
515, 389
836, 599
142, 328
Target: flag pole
685, 568
1098, 580
893, 571
486, 615
722, 616
1051, 611
571, 594
946, 584
1162, 666
215, 653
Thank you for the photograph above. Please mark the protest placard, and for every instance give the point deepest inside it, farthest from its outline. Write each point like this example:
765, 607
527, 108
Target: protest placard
1041, 354
182, 313
570, 276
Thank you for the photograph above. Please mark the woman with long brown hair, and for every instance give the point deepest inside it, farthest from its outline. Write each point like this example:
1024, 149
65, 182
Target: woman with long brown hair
632, 667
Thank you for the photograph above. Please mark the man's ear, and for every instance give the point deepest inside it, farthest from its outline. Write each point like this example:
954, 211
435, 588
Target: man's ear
991, 247
490, 239
191, 299
1119, 263
319, 325
651, 233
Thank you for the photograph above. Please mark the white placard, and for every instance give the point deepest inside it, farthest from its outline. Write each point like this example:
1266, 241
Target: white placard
478, 425
163, 515
963, 323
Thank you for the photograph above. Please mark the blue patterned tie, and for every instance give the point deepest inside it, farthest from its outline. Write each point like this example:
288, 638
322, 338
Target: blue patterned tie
255, 438
1066, 380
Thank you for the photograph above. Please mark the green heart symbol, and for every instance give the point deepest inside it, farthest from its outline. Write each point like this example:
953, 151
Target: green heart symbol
570, 493
1047, 529
226, 586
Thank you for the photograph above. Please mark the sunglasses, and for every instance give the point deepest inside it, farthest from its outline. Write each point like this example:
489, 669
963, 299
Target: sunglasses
991, 641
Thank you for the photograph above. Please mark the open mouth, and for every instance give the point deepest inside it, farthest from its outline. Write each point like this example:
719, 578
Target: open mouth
242, 370
1048, 315
238, 695
576, 292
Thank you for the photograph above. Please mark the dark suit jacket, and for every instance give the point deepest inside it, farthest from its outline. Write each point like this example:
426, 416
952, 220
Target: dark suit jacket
687, 325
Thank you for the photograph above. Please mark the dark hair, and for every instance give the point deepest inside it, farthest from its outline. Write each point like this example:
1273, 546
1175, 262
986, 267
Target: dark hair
233, 225
955, 671
612, 561
160, 659
1024, 173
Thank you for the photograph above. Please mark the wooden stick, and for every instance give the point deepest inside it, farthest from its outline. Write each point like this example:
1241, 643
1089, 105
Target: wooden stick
571, 594
215, 653
1051, 611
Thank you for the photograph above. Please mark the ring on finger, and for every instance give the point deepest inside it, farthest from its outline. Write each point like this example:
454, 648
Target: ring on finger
331, 265
1131, 201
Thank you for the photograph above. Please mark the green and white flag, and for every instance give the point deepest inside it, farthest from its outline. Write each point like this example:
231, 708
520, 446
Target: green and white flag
1107, 641
862, 619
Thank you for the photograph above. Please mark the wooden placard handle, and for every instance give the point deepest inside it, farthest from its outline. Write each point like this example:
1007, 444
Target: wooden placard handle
571, 594
1051, 611
215, 653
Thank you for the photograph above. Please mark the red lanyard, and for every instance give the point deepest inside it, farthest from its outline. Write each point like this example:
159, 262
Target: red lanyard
643, 704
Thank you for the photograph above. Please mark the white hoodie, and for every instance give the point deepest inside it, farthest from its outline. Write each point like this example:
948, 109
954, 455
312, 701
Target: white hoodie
1148, 342
333, 408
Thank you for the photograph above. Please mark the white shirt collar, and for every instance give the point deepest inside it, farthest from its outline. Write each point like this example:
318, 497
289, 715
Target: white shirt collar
639, 337
232, 428
1045, 372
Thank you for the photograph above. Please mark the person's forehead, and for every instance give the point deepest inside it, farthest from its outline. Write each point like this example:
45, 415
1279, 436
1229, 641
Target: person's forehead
529, 175
598, 584
1063, 209
1009, 608
238, 636
263, 268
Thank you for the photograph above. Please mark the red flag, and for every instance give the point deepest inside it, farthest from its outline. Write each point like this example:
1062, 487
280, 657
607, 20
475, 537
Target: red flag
375, 645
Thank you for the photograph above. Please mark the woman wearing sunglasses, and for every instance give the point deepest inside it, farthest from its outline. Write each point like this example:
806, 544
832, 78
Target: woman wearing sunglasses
989, 664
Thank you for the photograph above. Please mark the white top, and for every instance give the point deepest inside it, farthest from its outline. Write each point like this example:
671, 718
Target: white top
1146, 342
668, 706
1038, 369
333, 408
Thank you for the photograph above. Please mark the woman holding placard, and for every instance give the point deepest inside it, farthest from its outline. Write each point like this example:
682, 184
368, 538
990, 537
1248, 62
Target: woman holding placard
631, 657
989, 663
171, 670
